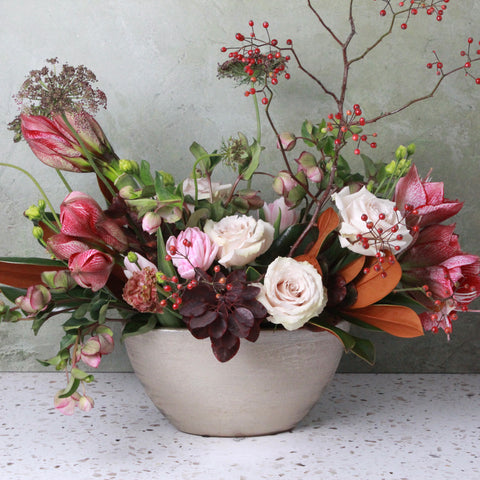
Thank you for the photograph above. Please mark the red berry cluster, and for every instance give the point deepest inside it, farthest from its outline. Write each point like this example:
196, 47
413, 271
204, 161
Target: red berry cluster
467, 58
435, 8
259, 62
349, 123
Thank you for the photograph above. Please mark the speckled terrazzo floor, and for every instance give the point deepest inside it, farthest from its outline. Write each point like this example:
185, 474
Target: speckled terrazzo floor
375, 427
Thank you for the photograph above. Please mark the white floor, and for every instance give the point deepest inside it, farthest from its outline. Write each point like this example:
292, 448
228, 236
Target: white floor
375, 427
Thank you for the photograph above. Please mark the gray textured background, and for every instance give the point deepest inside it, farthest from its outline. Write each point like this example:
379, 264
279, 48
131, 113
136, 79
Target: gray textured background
156, 60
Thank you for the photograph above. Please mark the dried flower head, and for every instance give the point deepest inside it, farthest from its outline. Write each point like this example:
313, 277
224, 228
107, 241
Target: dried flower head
48, 92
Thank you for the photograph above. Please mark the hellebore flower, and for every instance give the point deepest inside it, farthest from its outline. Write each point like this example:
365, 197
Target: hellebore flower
426, 198
287, 140
54, 144
36, 299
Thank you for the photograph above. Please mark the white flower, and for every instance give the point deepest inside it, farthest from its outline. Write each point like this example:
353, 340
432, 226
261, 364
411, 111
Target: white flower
206, 189
241, 239
359, 208
292, 292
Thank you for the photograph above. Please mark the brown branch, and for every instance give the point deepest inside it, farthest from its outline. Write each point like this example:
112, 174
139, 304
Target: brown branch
324, 25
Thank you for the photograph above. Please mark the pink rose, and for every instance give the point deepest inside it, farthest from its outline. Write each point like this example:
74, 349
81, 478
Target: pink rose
91, 268
199, 252
426, 198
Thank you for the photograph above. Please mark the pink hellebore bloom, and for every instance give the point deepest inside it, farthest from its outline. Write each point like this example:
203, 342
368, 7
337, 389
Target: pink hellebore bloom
191, 249
86, 403
308, 165
35, 300
82, 217
287, 140
137, 266
66, 405
91, 268
54, 144
278, 207
92, 351
426, 198
150, 222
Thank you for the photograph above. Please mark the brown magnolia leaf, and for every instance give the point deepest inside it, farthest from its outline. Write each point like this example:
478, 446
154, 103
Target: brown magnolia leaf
327, 222
350, 271
397, 320
22, 275
373, 286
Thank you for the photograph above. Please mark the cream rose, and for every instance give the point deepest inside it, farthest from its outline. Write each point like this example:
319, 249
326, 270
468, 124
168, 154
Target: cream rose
292, 292
356, 209
241, 239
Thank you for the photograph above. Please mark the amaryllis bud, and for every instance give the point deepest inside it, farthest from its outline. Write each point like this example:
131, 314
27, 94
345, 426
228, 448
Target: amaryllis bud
63, 246
287, 141
91, 268
151, 221
53, 143
82, 217
35, 300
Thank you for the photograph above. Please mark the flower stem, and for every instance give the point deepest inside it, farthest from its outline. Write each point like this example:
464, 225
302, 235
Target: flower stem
64, 181
40, 189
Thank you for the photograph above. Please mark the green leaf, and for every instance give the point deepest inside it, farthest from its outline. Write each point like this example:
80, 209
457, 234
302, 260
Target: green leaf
138, 325
256, 150
253, 275
163, 265
145, 175
370, 168
33, 261
197, 216
75, 323
67, 341
71, 388
360, 347
199, 152
81, 375
12, 293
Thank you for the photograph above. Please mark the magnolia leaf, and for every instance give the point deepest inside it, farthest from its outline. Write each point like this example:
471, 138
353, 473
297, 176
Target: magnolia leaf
350, 271
375, 285
360, 347
24, 272
397, 320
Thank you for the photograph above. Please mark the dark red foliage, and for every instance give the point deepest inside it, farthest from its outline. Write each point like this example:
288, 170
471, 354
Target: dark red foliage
224, 309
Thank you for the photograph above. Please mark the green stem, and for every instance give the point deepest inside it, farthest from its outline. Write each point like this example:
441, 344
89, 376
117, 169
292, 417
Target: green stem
194, 173
40, 189
64, 180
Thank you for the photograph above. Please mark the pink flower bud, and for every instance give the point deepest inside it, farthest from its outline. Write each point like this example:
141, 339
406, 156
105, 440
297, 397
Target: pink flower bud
151, 221
283, 183
91, 268
58, 282
308, 165
85, 404
288, 215
199, 252
287, 141
35, 300
54, 144
82, 217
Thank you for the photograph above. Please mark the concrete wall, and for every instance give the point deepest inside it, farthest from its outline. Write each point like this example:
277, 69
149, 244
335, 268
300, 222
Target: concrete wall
156, 60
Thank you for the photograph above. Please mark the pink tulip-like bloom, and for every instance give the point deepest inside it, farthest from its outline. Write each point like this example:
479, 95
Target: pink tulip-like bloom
93, 349
35, 300
82, 217
191, 249
426, 198
91, 268
272, 211
54, 144
140, 291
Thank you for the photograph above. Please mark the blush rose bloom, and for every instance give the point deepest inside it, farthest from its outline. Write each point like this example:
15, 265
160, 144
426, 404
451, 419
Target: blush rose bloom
200, 254
241, 239
292, 292
352, 206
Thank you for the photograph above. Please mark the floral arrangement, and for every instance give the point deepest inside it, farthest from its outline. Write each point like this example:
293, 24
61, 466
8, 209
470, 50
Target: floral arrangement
218, 259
